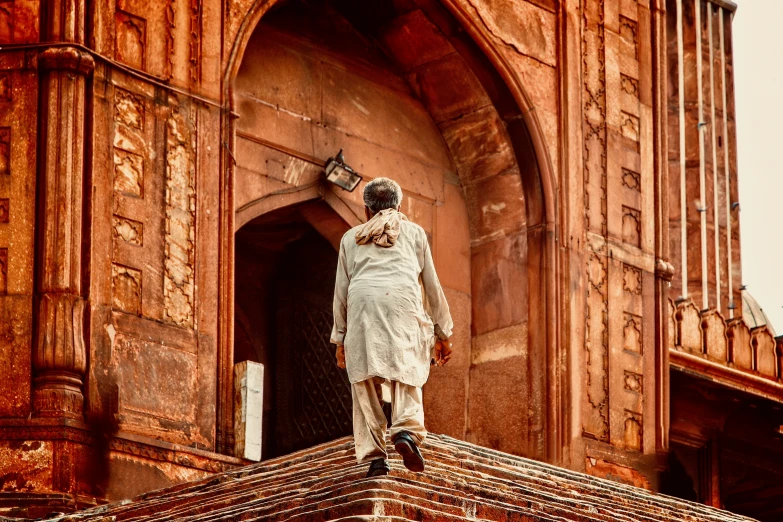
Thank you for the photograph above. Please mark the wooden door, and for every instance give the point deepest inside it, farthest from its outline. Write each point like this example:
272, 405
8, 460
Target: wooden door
313, 396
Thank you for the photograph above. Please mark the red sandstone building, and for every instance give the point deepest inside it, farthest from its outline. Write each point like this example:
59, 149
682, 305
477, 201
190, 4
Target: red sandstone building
164, 216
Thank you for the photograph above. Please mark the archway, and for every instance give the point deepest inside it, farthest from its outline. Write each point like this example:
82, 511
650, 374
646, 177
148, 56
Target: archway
285, 278
431, 112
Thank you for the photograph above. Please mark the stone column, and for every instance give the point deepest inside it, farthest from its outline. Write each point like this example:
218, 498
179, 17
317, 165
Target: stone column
59, 358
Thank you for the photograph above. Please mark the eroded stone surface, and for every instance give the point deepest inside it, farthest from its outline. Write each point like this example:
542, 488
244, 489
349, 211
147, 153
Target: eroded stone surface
527, 28
178, 287
408, 91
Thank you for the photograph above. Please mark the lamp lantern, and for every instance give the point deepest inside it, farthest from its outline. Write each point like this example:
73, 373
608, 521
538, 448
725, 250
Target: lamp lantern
341, 174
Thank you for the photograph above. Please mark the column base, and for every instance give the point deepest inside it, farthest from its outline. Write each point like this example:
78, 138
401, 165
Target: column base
58, 394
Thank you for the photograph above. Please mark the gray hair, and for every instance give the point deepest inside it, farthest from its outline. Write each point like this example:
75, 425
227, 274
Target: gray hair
382, 193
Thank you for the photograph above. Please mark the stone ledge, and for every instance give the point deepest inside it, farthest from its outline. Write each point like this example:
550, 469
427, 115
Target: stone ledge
122, 442
726, 375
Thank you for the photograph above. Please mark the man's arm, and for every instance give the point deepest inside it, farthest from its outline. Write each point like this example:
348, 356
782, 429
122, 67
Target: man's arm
340, 306
439, 308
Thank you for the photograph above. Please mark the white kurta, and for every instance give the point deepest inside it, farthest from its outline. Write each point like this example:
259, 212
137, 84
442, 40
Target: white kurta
379, 311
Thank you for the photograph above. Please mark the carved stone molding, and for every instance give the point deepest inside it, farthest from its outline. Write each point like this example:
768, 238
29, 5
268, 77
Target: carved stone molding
664, 270
59, 357
66, 59
594, 110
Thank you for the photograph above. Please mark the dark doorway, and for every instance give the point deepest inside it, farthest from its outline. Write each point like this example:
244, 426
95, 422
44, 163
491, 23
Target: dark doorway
283, 316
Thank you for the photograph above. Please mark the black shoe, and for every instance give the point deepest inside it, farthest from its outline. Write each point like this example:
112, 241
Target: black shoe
378, 468
406, 446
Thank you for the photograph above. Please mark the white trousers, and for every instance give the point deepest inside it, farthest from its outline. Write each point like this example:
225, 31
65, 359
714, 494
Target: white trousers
369, 421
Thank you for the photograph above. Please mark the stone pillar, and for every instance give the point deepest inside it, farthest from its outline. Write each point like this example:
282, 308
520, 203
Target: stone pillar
59, 358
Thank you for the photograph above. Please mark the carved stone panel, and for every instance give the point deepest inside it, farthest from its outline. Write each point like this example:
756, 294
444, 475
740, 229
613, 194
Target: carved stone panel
594, 110
180, 221
633, 430
632, 333
594, 132
632, 226
126, 289
632, 280
5, 87
131, 38
629, 30
129, 118
129, 144
128, 109
632, 180
128, 173
597, 351
128, 230
764, 346
633, 382
629, 85
6, 22
739, 345
19, 22
3, 271
715, 340
134, 224
689, 327
672, 324
5, 151
630, 126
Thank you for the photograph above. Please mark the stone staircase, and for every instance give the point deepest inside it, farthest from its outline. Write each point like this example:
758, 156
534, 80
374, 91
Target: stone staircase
462, 482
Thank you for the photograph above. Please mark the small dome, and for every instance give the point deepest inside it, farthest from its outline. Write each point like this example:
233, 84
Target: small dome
752, 313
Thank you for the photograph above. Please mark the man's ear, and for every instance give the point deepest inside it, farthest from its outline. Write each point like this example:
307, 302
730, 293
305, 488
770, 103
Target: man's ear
367, 212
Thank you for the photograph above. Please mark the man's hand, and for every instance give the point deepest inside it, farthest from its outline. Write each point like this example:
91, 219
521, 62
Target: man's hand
340, 355
442, 351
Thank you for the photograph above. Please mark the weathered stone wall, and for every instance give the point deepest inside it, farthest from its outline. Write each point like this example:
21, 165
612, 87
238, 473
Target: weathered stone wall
19, 23
18, 114
530, 138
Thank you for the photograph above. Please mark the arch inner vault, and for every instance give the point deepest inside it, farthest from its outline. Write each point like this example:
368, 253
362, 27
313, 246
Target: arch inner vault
406, 94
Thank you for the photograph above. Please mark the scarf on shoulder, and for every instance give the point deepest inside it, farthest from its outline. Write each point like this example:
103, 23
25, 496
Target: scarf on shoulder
383, 229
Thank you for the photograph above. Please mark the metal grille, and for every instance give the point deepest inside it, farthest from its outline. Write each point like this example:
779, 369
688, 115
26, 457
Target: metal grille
326, 393
312, 396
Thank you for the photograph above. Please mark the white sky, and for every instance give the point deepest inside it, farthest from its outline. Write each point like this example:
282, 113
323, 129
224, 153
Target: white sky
758, 70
